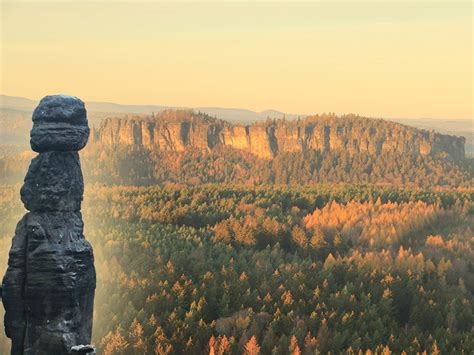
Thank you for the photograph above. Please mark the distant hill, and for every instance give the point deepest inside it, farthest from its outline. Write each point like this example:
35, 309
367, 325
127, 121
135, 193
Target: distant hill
177, 130
17, 103
460, 127
15, 114
449, 126
228, 114
186, 147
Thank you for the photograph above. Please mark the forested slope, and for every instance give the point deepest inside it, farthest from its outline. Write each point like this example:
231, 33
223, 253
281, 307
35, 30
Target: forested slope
184, 147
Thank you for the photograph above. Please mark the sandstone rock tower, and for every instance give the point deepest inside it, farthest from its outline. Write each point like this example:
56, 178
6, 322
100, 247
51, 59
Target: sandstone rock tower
48, 289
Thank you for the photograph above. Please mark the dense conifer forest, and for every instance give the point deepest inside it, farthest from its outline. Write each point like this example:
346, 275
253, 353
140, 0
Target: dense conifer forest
134, 166
285, 270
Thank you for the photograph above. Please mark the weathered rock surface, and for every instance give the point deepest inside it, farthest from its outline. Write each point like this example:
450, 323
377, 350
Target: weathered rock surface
47, 294
59, 124
180, 130
48, 289
53, 183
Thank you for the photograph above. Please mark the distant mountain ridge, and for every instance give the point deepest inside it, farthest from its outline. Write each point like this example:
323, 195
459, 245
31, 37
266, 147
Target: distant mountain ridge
233, 114
228, 114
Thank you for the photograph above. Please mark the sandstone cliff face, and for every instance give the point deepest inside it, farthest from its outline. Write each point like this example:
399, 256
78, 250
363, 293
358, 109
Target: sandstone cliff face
180, 130
237, 137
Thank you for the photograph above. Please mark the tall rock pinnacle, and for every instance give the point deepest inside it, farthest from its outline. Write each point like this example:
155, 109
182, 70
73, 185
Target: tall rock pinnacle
48, 289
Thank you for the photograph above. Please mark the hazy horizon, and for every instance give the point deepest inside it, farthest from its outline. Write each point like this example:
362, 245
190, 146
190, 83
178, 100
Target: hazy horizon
391, 60
164, 106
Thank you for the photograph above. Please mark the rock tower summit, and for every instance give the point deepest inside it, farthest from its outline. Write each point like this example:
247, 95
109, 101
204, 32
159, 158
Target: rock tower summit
48, 289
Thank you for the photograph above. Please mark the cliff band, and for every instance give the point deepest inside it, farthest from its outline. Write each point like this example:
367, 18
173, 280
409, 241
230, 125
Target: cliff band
181, 130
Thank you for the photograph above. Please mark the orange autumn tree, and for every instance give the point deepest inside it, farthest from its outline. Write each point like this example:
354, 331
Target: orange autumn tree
219, 346
115, 343
373, 223
252, 347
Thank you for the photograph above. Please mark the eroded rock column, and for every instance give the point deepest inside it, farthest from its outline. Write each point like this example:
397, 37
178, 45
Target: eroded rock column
48, 289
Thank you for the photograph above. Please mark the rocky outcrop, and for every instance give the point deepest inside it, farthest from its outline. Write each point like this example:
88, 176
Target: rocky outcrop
59, 124
180, 130
48, 289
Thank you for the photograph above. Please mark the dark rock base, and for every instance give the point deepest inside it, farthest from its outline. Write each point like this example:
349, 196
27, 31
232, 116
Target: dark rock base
48, 289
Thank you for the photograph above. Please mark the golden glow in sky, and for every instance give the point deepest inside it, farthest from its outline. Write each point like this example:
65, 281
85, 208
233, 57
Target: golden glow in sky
378, 59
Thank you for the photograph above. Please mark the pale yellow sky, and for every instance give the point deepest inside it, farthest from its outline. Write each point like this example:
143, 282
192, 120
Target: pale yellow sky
405, 60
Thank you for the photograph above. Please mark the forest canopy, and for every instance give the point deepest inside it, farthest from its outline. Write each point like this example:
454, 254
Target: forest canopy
216, 269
